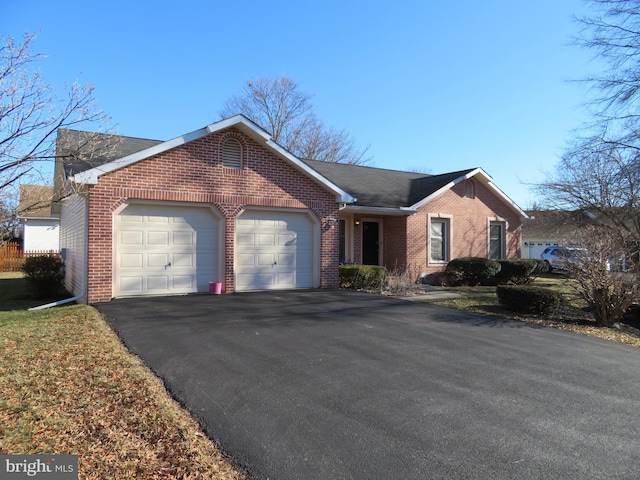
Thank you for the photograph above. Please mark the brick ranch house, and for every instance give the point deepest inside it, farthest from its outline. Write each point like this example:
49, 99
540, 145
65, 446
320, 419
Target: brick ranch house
227, 204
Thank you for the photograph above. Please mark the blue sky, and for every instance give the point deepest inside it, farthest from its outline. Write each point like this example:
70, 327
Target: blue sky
428, 86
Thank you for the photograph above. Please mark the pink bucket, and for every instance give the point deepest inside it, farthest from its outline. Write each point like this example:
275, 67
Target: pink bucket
215, 288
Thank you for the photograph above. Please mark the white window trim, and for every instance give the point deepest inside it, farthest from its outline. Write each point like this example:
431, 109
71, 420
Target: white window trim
448, 219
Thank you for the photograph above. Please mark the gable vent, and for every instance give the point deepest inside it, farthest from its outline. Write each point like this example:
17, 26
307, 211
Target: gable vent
232, 154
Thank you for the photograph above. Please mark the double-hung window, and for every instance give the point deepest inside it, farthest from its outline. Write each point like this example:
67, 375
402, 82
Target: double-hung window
496, 240
439, 240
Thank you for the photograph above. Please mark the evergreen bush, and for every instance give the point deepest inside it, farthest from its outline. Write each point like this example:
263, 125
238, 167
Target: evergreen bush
362, 277
471, 271
45, 274
529, 299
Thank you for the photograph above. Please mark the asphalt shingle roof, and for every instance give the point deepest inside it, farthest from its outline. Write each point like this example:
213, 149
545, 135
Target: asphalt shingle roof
35, 201
373, 187
84, 150
379, 187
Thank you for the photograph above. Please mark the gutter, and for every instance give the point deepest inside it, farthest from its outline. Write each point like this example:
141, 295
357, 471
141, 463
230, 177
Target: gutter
401, 211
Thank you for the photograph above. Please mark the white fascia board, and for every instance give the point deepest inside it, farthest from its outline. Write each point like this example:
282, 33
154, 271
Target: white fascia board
91, 176
341, 195
507, 200
401, 211
487, 180
448, 186
234, 121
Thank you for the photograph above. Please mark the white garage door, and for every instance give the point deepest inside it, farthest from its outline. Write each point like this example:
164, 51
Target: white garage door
274, 250
164, 250
535, 249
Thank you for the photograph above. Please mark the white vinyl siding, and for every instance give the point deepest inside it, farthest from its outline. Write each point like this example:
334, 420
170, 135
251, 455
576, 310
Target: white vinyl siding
73, 243
41, 234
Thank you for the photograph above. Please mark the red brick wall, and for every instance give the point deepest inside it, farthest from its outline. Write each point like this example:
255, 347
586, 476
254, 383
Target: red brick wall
194, 173
405, 240
469, 220
395, 242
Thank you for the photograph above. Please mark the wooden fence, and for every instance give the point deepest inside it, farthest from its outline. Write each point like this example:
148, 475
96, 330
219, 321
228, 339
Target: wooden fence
12, 257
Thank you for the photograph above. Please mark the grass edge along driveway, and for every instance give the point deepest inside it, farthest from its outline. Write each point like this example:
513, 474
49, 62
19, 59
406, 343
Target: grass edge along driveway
68, 386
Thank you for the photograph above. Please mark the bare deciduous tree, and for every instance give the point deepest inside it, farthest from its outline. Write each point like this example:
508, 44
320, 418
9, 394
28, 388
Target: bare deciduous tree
602, 179
31, 114
612, 32
8, 219
599, 174
606, 271
279, 107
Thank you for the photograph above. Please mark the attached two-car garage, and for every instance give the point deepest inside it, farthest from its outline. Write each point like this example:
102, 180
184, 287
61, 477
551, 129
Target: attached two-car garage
178, 249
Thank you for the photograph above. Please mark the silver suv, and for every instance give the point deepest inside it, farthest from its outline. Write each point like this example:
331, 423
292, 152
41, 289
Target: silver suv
557, 257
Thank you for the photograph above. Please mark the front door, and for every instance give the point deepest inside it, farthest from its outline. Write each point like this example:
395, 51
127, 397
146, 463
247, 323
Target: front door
370, 243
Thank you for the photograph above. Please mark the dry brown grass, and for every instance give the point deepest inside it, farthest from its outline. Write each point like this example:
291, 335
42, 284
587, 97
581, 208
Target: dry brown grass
573, 317
68, 386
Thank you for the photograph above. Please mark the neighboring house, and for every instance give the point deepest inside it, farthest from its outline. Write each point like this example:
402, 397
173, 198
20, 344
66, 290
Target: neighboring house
545, 228
227, 204
40, 230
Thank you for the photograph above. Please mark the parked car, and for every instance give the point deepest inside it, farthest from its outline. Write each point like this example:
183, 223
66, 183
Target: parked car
557, 256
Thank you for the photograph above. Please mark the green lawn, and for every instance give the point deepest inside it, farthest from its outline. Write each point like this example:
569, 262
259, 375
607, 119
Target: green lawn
68, 386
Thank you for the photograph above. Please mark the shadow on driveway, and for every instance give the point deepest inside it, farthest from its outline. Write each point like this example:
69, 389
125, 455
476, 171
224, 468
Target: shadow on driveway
321, 384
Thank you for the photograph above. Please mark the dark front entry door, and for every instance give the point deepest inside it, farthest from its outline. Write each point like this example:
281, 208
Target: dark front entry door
370, 243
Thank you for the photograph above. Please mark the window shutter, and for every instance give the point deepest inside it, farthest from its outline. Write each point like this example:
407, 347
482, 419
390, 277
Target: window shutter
232, 154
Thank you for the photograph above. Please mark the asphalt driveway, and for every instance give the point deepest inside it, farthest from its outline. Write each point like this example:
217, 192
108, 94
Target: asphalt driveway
324, 384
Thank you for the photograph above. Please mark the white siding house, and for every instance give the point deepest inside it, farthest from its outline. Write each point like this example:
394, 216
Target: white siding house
41, 234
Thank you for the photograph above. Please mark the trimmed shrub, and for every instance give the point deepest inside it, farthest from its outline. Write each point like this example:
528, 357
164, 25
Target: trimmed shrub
518, 271
365, 277
528, 299
471, 271
45, 274
541, 266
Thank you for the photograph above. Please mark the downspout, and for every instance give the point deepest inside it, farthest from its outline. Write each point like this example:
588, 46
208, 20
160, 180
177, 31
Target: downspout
55, 304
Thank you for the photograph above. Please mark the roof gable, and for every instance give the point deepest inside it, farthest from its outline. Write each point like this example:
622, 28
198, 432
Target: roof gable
400, 190
240, 122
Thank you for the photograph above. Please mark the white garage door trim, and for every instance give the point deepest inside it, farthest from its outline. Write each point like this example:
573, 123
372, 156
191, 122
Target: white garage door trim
276, 249
177, 248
